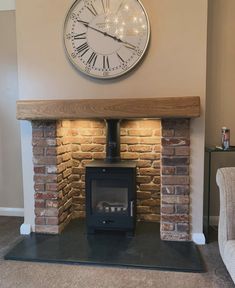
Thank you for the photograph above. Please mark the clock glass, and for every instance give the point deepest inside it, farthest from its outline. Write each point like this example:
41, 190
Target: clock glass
106, 38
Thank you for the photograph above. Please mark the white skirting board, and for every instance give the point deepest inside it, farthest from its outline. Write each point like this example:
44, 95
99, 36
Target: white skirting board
25, 229
8, 211
199, 238
6, 5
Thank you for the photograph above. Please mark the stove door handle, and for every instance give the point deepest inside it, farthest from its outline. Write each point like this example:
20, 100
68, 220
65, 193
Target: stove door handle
131, 208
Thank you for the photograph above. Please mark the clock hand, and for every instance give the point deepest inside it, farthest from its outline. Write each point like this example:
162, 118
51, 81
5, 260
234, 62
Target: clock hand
129, 45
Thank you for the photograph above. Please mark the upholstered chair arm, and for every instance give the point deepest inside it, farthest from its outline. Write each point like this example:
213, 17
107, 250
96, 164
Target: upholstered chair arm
225, 179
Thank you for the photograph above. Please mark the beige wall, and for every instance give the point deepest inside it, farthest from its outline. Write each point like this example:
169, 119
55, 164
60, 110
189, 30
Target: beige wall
10, 160
175, 66
221, 70
220, 84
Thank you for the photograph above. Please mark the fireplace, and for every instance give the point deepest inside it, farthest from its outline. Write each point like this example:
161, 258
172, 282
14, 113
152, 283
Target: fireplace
111, 188
63, 148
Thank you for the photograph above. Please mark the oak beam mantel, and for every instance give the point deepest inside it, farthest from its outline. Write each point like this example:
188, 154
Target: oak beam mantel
167, 107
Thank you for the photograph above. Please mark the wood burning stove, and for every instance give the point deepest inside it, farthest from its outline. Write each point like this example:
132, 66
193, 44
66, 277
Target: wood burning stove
111, 188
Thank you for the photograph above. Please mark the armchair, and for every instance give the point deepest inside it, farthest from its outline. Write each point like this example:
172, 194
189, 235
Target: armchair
225, 179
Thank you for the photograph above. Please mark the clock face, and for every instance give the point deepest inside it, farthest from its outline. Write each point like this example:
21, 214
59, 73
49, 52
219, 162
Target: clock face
106, 38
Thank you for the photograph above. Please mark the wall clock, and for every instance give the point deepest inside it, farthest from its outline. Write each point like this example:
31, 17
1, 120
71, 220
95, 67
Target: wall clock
106, 38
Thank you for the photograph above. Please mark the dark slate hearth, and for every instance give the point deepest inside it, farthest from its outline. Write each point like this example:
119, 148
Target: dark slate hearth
144, 250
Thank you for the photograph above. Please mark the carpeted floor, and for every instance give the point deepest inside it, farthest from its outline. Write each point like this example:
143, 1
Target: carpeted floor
29, 275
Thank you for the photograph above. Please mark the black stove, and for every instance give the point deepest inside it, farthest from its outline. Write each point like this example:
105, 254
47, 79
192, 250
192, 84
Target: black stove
111, 188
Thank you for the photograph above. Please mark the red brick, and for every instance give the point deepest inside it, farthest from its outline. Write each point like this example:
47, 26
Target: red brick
50, 133
150, 202
81, 155
38, 151
168, 132
99, 140
150, 217
98, 155
156, 164
143, 179
52, 187
91, 132
143, 209
167, 226
52, 204
182, 170
157, 180
98, 124
37, 133
168, 190
143, 195
167, 209
182, 227
40, 221
130, 124
175, 180
147, 124
47, 229
182, 151
182, 208
81, 140
149, 156
129, 140
39, 203
175, 199
168, 170
149, 171
168, 151
175, 161
52, 220
150, 140
174, 236
175, 218
144, 163
140, 132
140, 148
39, 169
41, 195
51, 151
39, 187
149, 187
175, 142
182, 190
45, 160
49, 212
129, 155
92, 148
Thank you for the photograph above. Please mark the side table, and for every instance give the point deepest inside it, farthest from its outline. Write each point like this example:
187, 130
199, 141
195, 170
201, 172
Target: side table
209, 152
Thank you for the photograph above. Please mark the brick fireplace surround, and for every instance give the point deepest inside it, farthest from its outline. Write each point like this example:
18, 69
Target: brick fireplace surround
161, 149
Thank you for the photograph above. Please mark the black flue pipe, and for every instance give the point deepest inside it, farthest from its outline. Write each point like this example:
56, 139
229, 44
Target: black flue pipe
112, 140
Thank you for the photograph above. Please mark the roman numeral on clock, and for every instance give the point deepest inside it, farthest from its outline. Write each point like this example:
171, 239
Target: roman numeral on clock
92, 9
120, 58
105, 4
79, 36
106, 62
82, 47
92, 59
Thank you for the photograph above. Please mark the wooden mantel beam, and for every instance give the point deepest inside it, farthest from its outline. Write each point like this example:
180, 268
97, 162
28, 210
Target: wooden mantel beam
167, 107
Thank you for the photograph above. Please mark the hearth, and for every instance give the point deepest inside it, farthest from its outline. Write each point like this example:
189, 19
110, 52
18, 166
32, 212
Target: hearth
111, 188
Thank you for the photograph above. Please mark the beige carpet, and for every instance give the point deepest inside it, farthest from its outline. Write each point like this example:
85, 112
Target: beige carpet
28, 275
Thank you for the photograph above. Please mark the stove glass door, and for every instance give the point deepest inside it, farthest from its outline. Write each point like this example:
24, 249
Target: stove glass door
109, 196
